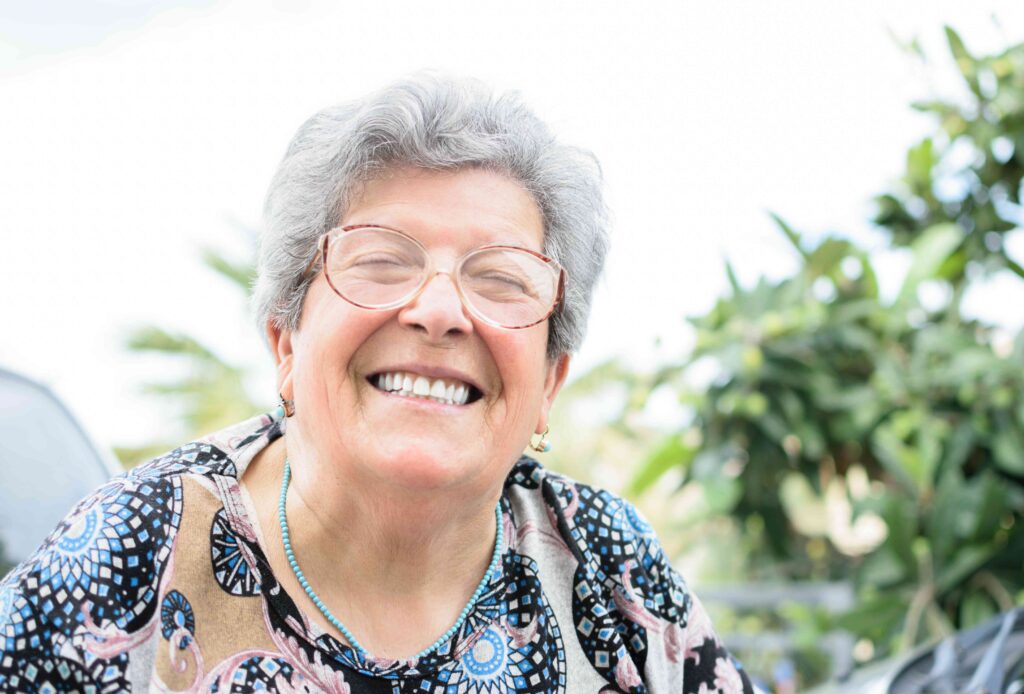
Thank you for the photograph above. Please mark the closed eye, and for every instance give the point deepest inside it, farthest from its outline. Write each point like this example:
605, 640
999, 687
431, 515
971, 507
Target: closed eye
511, 282
381, 259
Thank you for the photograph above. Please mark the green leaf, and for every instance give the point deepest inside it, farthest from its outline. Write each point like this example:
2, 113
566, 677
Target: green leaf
954, 266
929, 251
1013, 266
1008, 448
966, 561
945, 515
869, 278
791, 234
970, 364
734, 282
672, 453
900, 515
721, 494
241, 274
825, 259
992, 506
773, 426
875, 616
883, 568
901, 460
856, 311
911, 47
965, 512
153, 339
958, 446
920, 162
964, 60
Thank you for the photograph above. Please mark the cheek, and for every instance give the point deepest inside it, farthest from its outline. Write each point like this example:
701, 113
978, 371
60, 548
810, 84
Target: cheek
521, 360
328, 343
324, 369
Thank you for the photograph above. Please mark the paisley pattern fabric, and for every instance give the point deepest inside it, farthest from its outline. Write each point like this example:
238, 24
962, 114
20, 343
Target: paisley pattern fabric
158, 581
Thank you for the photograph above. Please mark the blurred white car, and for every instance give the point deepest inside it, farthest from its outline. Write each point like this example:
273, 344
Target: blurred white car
47, 463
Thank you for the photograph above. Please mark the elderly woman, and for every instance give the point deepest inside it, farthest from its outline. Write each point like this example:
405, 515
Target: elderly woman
425, 272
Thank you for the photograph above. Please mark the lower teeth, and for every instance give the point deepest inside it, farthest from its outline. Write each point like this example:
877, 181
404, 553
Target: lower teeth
424, 397
410, 394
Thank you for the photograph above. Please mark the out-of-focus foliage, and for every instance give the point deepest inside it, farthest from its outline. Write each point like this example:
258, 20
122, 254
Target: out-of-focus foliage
210, 392
878, 438
969, 171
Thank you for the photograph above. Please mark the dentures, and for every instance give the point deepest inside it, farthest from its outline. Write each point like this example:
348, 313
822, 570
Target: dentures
410, 385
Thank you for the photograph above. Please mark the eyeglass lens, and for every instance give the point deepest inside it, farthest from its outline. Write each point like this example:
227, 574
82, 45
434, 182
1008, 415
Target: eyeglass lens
379, 268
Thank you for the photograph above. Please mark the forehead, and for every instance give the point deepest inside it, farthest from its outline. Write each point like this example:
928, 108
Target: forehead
463, 208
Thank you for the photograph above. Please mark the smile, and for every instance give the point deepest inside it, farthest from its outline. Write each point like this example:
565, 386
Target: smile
410, 385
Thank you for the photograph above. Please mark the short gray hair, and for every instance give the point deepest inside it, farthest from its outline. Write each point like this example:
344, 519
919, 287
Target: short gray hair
438, 123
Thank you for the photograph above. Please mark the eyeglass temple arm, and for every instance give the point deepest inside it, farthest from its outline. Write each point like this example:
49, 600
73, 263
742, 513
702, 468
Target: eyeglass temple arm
321, 249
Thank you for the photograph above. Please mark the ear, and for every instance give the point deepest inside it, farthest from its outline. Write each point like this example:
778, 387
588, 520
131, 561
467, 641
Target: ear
280, 342
558, 369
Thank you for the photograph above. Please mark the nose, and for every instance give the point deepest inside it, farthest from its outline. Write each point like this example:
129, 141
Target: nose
437, 310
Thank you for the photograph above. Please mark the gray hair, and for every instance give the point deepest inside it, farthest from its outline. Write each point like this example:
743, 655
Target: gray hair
436, 123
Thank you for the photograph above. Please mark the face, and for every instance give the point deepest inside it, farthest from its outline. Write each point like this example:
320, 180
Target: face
335, 364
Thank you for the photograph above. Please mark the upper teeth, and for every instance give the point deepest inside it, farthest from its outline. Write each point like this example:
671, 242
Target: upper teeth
413, 385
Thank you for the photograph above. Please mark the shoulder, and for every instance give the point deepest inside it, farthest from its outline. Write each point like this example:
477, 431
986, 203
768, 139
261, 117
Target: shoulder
94, 576
628, 605
608, 535
633, 611
220, 453
89, 593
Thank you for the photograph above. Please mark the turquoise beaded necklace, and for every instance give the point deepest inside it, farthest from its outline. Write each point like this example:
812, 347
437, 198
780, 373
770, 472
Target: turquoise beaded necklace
336, 622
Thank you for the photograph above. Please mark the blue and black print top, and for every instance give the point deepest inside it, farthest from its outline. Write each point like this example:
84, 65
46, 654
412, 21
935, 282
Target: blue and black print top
158, 581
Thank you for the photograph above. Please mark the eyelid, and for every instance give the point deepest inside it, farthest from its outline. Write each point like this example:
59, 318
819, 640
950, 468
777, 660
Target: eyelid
338, 231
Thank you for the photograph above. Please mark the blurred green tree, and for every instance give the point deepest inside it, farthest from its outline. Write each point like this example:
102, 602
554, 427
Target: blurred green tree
211, 393
877, 438
968, 173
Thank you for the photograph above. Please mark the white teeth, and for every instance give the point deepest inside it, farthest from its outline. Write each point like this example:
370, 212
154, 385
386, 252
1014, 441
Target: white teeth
421, 386
412, 385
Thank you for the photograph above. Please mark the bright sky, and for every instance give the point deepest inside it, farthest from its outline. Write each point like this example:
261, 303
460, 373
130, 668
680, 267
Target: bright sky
130, 139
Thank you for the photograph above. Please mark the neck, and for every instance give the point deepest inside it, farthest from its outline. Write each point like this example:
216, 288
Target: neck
394, 568
382, 540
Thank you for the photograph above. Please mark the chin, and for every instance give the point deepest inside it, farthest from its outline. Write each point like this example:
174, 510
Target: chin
426, 466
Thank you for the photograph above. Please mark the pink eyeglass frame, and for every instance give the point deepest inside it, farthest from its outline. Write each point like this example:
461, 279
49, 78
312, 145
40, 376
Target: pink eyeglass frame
321, 255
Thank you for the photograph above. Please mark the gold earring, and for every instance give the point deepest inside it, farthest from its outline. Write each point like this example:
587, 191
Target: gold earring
543, 445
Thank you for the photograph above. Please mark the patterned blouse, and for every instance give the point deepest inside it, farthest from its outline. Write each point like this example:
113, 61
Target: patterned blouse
159, 581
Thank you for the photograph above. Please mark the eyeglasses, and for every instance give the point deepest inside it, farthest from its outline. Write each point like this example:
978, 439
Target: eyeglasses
377, 268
